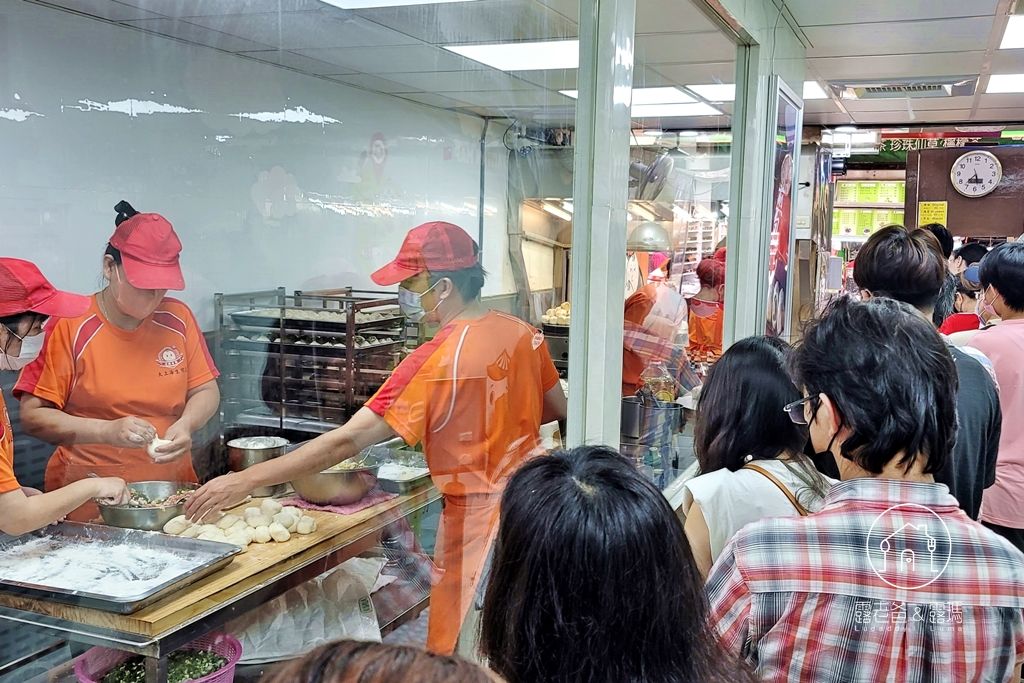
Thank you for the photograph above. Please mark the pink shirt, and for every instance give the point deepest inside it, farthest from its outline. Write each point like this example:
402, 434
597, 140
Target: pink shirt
1003, 503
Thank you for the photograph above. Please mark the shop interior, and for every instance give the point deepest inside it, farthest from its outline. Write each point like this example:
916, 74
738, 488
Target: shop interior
294, 144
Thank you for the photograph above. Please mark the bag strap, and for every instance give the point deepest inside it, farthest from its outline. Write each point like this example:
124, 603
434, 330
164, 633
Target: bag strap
792, 499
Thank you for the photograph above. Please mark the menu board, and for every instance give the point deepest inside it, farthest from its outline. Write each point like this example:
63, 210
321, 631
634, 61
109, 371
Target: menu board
835, 222
865, 221
848, 221
883, 217
867, 193
889, 193
846, 193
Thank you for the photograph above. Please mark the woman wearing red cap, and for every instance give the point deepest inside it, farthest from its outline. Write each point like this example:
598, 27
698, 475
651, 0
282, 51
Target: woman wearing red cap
132, 369
475, 396
27, 300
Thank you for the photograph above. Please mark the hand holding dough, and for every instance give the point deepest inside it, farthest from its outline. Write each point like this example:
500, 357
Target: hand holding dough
154, 444
279, 533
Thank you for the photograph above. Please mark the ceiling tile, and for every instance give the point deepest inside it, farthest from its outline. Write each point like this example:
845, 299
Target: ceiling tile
687, 48
199, 35
461, 81
1003, 101
106, 9
199, 8
941, 35
403, 59
557, 79
482, 21
821, 107
570, 9
306, 30
1007, 62
374, 83
433, 99
681, 16
696, 74
815, 119
901, 66
513, 98
824, 13
900, 104
685, 122
877, 117
297, 62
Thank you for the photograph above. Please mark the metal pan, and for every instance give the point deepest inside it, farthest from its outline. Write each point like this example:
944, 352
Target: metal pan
209, 556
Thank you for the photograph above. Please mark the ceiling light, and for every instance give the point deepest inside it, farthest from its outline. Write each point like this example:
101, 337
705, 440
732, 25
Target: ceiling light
660, 96
555, 211
814, 91
535, 56
652, 133
366, 4
846, 129
693, 109
715, 92
1014, 36
567, 206
643, 212
575, 94
999, 83
688, 133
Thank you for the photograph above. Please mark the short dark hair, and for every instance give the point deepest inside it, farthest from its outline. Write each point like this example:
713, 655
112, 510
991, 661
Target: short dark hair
468, 282
971, 253
901, 264
891, 378
945, 302
593, 580
944, 236
1003, 268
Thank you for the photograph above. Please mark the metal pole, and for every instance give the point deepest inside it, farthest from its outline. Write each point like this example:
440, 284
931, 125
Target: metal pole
600, 191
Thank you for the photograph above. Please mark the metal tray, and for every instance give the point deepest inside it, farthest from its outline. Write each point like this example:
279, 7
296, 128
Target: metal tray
405, 486
273, 323
215, 556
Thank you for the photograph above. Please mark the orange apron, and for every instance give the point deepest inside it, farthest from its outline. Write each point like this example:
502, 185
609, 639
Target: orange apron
705, 335
467, 530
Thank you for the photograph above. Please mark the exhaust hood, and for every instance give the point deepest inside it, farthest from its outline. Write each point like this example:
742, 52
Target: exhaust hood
949, 86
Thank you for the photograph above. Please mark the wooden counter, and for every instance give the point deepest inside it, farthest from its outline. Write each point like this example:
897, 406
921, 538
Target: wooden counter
337, 537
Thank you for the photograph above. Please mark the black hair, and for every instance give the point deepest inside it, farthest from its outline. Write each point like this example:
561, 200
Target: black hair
593, 580
945, 303
1003, 268
124, 212
890, 377
967, 290
469, 281
12, 322
901, 264
971, 253
943, 235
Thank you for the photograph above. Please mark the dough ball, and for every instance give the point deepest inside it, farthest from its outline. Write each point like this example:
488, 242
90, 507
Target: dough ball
154, 444
249, 533
227, 521
306, 525
175, 526
237, 539
192, 531
240, 525
211, 529
210, 536
261, 534
270, 507
286, 520
251, 512
293, 511
258, 521
279, 533
549, 312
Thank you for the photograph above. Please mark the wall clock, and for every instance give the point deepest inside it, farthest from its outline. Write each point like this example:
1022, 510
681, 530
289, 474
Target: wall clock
976, 174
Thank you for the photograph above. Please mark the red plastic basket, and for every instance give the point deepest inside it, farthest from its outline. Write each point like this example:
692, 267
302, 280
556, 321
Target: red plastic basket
97, 662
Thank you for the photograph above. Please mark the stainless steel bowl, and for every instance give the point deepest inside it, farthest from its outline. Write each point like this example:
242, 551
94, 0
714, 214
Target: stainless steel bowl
339, 487
247, 451
147, 519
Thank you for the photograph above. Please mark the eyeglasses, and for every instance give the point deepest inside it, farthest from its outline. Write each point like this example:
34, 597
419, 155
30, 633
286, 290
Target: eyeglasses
797, 411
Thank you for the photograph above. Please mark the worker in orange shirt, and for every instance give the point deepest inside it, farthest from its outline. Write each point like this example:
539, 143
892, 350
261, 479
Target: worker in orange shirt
707, 313
27, 302
474, 396
133, 368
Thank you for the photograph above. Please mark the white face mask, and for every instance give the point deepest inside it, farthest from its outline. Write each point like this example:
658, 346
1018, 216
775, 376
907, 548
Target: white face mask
31, 347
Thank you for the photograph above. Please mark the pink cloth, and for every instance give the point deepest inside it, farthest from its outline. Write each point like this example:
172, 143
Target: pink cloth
1003, 503
374, 497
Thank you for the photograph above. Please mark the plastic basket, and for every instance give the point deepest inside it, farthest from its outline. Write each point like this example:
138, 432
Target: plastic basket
98, 661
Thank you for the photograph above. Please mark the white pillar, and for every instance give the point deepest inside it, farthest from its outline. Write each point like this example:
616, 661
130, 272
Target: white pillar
600, 192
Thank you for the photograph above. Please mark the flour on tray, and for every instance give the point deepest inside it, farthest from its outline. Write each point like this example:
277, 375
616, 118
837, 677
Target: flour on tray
118, 571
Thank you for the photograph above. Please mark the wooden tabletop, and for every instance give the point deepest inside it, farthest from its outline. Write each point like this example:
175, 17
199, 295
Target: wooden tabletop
260, 565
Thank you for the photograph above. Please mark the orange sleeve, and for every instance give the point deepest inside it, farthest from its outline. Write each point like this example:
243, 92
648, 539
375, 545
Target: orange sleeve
8, 482
548, 371
51, 376
200, 364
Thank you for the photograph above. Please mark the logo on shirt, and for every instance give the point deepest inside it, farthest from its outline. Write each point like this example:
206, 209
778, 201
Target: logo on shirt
909, 546
170, 357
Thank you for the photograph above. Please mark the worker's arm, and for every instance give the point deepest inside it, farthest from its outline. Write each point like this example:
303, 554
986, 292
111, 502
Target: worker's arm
696, 528
200, 405
363, 430
43, 420
20, 514
555, 407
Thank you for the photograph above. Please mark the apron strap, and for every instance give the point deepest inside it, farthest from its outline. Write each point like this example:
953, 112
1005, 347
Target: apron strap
792, 499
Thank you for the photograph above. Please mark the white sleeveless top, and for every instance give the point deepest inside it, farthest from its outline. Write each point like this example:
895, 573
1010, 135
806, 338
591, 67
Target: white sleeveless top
731, 500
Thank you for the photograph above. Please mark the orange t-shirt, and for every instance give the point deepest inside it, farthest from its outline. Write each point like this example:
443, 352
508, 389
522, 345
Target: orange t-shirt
90, 368
474, 396
8, 482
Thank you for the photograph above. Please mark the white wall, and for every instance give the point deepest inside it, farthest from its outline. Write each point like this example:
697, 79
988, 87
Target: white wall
257, 204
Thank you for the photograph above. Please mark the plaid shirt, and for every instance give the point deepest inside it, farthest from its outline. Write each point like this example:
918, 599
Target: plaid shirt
874, 587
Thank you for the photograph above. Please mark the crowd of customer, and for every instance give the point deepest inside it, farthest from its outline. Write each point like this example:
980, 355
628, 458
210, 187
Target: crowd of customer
879, 572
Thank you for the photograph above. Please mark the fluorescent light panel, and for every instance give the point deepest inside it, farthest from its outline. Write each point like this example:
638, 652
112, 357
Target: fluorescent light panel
367, 4
1014, 35
555, 211
715, 92
814, 91
661, 110
1004, 83
535, 56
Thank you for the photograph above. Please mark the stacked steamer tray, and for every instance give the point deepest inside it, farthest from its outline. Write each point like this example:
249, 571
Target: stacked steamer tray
309, 355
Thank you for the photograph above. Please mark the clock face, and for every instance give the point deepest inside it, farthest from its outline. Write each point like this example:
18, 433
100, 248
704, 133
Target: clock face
975, 174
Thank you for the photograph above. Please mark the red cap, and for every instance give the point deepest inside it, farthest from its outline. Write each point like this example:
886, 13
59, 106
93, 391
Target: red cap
149, 252
433, 247
23, 288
